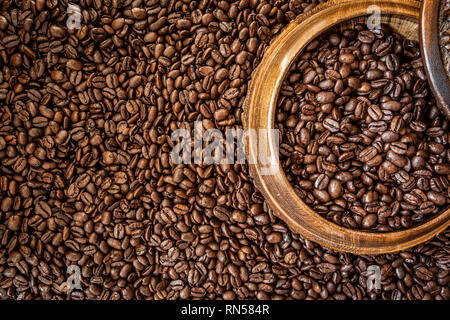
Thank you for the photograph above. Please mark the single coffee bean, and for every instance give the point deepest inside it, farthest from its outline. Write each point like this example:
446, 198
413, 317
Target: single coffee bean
399, 148
375, 112
335, 188
325, 97
346, 58
436, 198
331, 125
321, 182
369, 221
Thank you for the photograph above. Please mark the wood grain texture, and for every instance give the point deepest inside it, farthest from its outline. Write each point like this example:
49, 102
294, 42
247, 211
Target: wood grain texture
259, 112
431, 54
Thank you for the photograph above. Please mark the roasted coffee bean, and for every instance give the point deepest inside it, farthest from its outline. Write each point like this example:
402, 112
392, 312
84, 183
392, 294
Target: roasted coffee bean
368, 154
335, 188
366, 36
437, 198
331, 125
325, 97
375, 112
399, 148
321, 183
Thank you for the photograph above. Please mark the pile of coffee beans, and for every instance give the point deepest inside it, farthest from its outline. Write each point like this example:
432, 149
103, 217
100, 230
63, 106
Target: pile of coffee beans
91, 204
363, 140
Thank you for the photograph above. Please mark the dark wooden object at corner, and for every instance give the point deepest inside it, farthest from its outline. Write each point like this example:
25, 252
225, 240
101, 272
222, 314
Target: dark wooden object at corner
431, 54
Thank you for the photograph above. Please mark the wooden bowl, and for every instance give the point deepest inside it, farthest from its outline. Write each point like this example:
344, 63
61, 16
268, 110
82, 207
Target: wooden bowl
431, 53
259, 112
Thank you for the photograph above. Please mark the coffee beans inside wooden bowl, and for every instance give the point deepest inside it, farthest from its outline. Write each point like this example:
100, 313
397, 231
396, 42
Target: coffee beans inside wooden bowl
363, 141
444, 33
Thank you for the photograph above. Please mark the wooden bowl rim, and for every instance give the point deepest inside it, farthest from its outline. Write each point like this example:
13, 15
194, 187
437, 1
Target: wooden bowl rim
259, 110
431, 53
